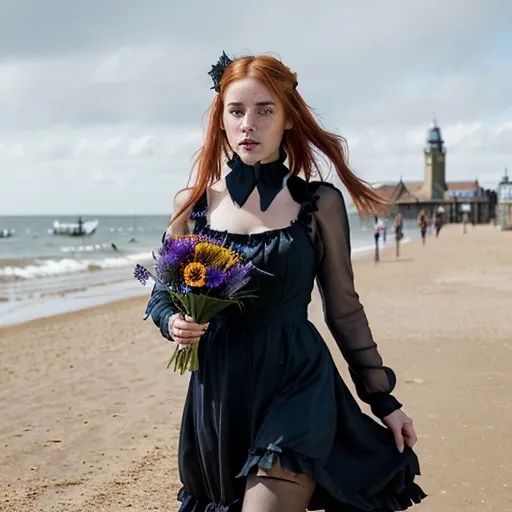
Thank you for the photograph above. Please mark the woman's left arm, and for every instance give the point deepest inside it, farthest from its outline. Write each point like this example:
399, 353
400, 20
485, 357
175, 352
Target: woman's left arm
343, 311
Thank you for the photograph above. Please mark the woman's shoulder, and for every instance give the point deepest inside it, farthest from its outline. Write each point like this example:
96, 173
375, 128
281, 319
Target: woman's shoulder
318, 190
184, 211
319, 200
181, 198
327, 195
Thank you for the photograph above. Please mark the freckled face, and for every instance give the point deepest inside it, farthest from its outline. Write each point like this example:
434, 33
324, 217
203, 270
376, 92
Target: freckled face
254, 121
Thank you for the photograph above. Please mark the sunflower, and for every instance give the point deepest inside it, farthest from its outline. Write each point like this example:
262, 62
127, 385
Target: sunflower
194, 274
215, 256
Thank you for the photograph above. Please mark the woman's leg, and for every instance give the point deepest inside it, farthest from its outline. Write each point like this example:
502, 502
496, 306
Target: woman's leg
277, 490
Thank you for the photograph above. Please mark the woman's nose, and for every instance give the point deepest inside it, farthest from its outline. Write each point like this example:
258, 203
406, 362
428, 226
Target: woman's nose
247, 123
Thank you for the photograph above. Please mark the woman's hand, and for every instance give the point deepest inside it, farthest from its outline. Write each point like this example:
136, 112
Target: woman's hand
402, 428
184, 330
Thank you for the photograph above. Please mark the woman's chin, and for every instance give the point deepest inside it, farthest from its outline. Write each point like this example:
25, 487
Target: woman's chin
249, 161
250, 157
255, 155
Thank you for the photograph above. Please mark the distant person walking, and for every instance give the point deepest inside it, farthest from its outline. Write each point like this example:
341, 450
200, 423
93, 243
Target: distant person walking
378, 228
399, 232
465, 219
384, 230
438, 223
423, 225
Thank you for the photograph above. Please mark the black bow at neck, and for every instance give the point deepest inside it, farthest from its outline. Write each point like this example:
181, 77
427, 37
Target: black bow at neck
268, 178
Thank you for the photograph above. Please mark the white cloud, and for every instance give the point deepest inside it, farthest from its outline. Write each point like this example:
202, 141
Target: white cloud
143, 146
108, 98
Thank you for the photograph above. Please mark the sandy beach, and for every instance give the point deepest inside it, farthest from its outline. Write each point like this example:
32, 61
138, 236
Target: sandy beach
90, 415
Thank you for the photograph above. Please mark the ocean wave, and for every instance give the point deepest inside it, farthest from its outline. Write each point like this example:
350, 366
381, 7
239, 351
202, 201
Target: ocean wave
54, 267
86, 248
26, 269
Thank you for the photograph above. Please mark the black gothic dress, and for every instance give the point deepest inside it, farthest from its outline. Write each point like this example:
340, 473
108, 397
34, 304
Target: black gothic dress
267, 388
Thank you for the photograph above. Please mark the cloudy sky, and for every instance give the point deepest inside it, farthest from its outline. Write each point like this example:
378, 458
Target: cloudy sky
102, 102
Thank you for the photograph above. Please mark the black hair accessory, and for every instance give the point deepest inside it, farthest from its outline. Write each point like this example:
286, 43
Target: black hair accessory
218, 70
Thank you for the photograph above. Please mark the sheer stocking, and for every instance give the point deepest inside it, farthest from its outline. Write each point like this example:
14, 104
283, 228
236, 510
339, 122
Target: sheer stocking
277, 492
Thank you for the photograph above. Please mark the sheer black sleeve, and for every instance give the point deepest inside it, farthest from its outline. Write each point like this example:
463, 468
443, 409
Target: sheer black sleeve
160, 307
344, 314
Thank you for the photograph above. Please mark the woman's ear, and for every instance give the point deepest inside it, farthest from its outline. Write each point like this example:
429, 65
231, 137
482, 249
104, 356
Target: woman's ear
288, 125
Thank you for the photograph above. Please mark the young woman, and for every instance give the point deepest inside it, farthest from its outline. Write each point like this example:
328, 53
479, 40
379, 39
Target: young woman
268, 424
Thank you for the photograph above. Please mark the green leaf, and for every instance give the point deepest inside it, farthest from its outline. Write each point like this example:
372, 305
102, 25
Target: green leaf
202, 308
244, 295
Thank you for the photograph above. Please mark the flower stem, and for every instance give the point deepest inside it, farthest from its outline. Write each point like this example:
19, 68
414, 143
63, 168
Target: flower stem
184, 359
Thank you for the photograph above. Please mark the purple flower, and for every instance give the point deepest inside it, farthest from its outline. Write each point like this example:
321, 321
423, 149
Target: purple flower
215, 277
178, 251
174, 254
184, 289
237, 277
166, 268
141, 274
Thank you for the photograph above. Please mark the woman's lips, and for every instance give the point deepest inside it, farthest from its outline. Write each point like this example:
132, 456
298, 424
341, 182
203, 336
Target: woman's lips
248, 146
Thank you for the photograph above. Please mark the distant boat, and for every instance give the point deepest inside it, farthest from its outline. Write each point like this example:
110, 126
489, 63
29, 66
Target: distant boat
79, 228
7, 233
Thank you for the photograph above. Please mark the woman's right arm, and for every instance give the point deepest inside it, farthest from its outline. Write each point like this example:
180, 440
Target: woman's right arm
343, 311
160, 307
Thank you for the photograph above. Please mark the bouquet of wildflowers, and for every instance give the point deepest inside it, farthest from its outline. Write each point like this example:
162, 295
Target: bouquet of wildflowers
203, 278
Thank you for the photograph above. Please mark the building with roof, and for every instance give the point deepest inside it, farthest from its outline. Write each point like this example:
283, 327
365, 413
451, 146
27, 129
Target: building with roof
456, 197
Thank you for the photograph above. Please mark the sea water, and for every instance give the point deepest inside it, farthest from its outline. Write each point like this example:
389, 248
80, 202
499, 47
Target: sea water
42, 274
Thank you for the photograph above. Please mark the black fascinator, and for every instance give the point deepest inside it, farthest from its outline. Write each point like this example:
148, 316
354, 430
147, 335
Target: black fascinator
218, 70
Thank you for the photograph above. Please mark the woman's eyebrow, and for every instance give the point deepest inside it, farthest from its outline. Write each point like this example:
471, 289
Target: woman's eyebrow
258, 104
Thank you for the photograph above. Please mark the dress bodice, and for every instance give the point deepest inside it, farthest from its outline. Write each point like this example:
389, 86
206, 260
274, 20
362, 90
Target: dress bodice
286, 260
315, 246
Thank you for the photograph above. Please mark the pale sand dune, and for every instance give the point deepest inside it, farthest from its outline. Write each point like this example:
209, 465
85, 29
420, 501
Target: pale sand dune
90, 416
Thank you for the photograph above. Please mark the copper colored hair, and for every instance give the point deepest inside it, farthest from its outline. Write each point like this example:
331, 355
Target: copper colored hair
303, 142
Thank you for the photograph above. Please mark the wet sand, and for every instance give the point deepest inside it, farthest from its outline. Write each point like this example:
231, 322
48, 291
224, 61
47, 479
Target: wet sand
90, 415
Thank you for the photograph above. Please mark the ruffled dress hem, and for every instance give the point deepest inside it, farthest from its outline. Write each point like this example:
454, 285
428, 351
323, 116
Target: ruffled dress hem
397, 493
